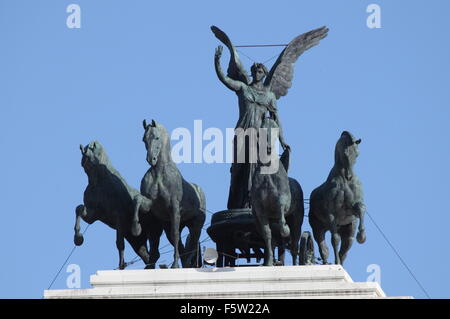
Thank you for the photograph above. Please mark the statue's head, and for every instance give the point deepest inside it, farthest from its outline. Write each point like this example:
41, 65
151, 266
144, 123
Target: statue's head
346, 150
259, 72
154, 138
93, 155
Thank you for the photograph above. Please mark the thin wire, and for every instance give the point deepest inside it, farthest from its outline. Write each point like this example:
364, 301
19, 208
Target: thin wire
246, 56
137, 258
225, 254
260, 45
271, 58
399, 257
196, 249
237, 256
396, 252
251, 59
67, 259
200, 242
185, 235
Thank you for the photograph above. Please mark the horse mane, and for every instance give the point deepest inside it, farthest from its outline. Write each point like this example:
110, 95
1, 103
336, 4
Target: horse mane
166, 136
340, 158
105, 166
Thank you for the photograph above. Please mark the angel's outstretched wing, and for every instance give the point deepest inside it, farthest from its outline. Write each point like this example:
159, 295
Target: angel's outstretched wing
279, 79
235, 70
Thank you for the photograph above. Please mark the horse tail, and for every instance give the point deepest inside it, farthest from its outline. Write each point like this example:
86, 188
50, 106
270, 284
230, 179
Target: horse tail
201, 197
312, 204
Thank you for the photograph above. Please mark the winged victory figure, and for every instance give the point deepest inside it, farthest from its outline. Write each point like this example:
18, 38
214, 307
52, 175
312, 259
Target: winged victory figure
257, 101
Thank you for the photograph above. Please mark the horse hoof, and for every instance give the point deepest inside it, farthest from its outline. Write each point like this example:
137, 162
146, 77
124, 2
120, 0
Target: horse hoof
78, 239
361, 237
285, 232
278, 263
136, 229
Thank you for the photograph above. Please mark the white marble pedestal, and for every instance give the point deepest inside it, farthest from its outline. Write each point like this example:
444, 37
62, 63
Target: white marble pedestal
325, 281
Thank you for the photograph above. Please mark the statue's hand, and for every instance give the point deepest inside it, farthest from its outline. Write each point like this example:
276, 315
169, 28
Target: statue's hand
219, 50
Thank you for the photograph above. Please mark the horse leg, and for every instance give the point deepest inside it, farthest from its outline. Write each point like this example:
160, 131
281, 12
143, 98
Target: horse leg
195, 228
220, 250
154, 253
335, 241
295, 227
281, 212
136, 228
348, 235
81, 212
140, 203
192, 251
267, 236
360, 212
319, 236
154, 238
281, 250
139, 245
175, 217
168, 231
120, 244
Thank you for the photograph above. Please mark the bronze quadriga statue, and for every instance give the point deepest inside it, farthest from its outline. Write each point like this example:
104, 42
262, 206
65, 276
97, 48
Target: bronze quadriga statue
265, 210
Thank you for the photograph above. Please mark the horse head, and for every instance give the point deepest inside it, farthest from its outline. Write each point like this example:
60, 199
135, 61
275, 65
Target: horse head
93, 155
346, 151
156, 140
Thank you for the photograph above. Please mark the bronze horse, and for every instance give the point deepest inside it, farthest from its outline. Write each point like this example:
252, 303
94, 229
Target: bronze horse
276, 196
171, 199
337, 204
110, 199
277, 204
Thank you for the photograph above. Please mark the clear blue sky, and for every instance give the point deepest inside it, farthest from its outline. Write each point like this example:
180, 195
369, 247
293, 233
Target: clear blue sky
132, 60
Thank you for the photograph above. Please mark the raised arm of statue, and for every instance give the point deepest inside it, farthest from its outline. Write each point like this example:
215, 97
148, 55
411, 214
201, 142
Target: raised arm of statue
229, 83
